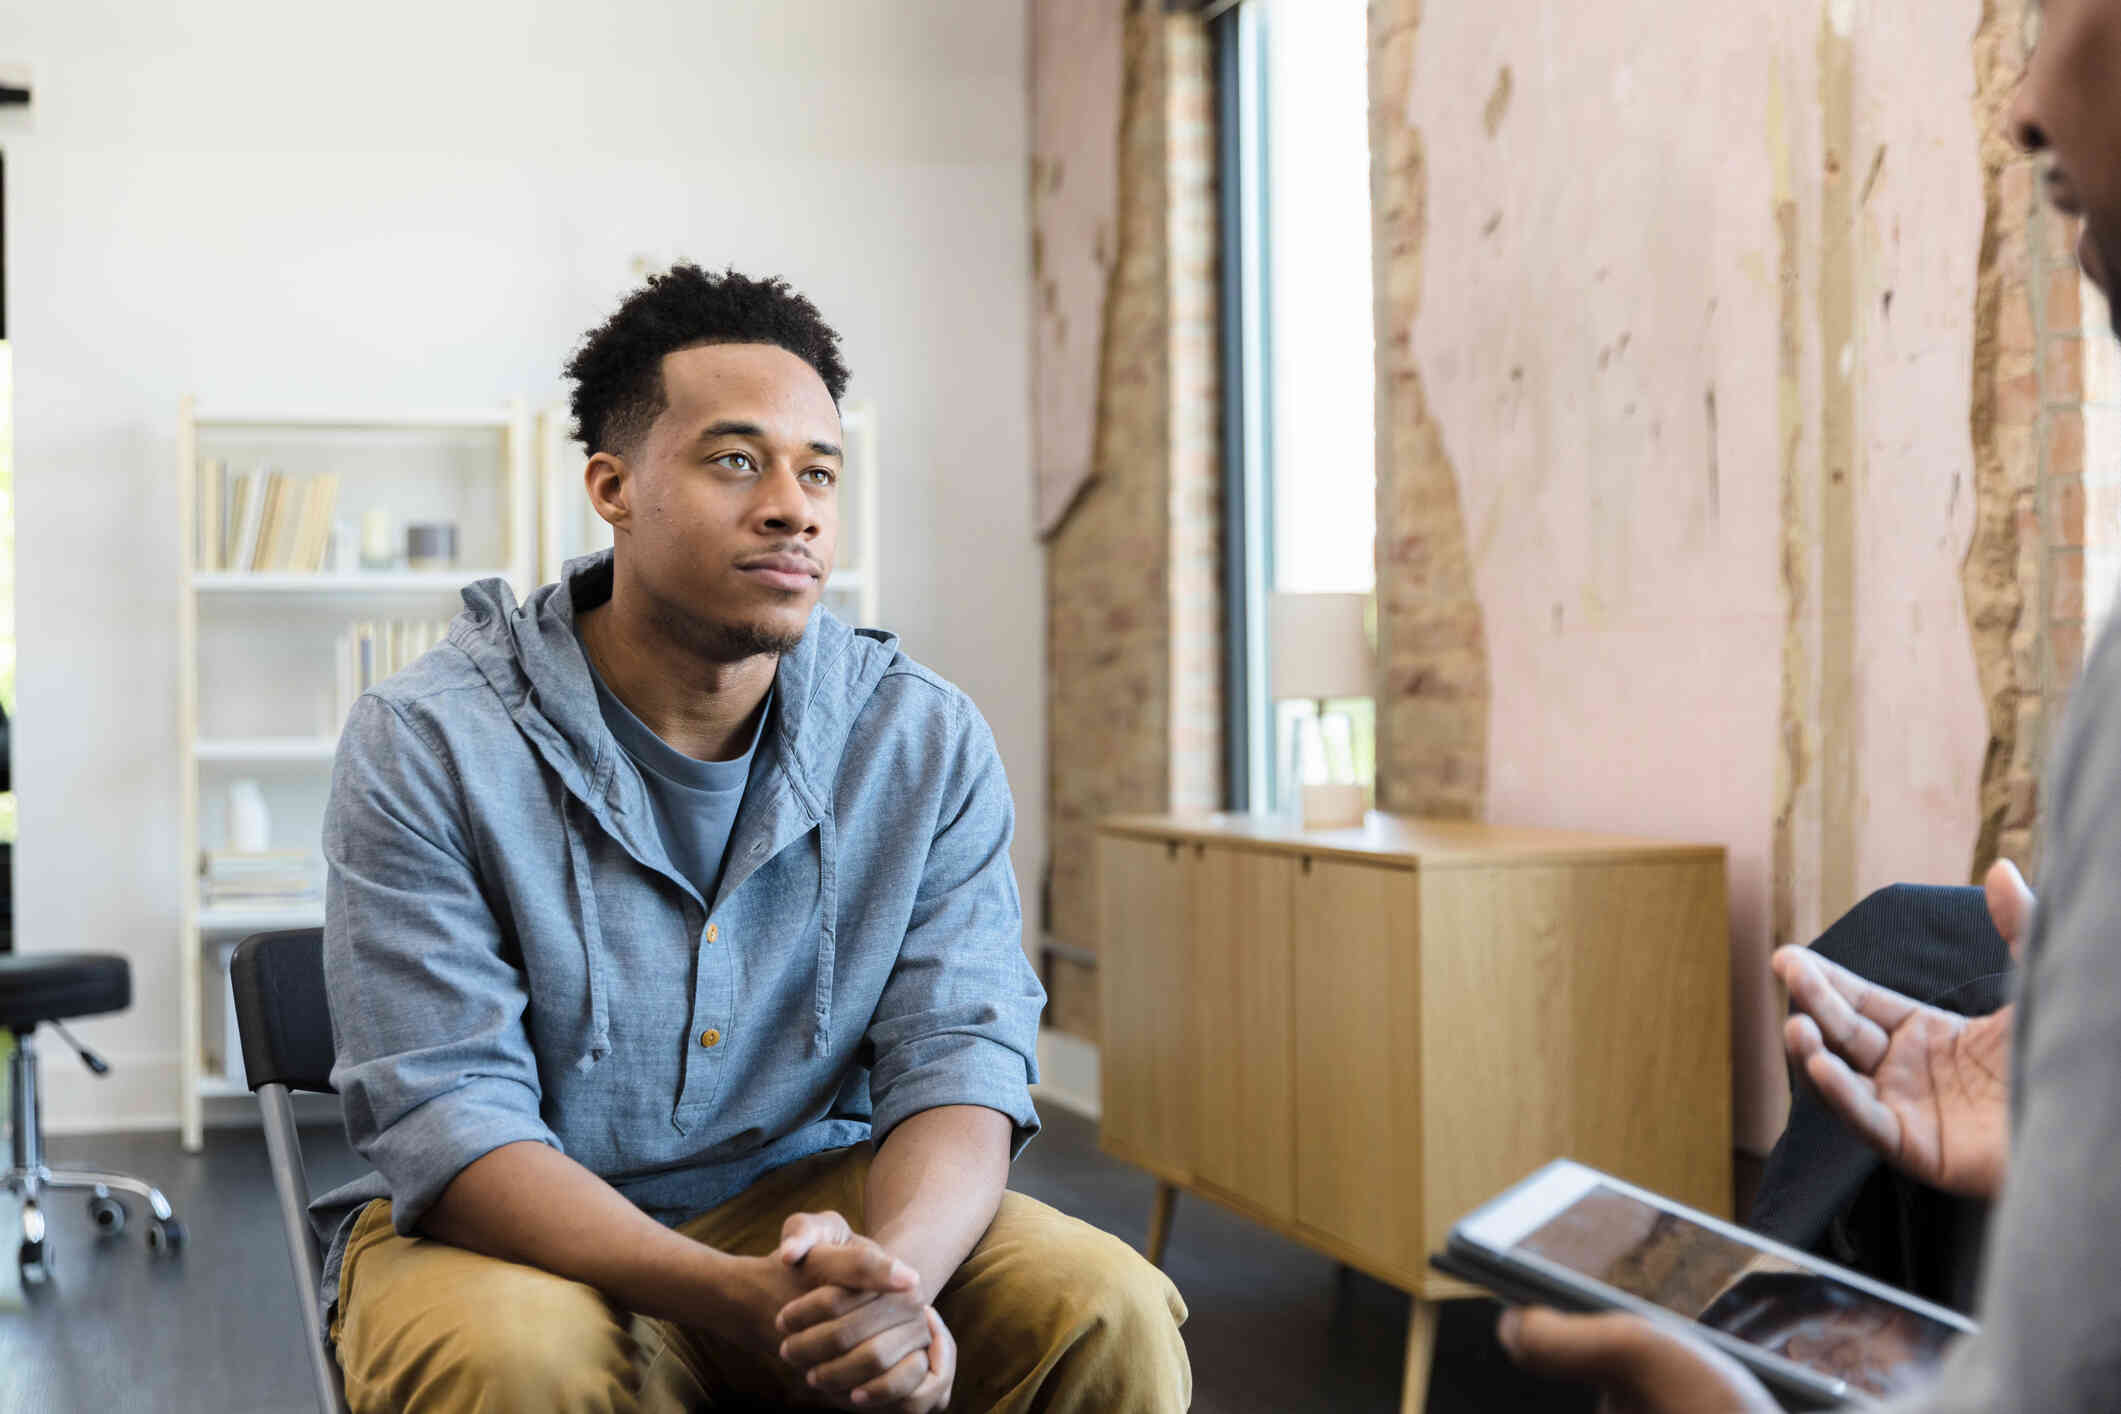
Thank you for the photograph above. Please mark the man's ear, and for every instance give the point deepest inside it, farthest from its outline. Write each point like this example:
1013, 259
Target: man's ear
610, 484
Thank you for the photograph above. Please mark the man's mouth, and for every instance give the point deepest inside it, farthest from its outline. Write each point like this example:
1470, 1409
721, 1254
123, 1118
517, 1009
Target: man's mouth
790, 573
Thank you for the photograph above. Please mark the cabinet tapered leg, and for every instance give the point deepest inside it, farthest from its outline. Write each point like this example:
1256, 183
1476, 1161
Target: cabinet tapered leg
1421, 1355
1160, 1223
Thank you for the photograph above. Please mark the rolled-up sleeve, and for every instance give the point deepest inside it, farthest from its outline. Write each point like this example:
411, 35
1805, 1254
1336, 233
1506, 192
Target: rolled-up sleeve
958, 1020
434, 1063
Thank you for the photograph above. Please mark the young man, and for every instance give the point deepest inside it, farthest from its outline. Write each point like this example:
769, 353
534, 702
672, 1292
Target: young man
675, 962
2050, 1308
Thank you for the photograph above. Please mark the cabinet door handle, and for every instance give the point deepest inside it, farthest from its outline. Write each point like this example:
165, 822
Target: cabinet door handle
1170, 849
1306, 863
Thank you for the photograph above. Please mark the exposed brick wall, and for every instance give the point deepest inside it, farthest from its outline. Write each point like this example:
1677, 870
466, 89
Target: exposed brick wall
1195, 449
1134, 612
1432, 702
2025, 571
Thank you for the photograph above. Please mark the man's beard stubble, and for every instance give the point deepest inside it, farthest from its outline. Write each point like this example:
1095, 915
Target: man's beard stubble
724, 641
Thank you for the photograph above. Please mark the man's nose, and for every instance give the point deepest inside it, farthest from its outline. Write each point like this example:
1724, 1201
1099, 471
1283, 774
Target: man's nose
784, 509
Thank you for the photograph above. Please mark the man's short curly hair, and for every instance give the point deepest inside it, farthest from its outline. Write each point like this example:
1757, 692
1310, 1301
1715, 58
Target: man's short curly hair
618, 370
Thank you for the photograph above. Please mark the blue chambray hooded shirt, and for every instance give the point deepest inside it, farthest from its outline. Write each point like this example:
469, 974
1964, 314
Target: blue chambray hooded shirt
511, 954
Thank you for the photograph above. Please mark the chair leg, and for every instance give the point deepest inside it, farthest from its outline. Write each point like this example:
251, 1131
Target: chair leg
29, 1175
1160, 1223
26, 1122
1421, 1357
124, 1183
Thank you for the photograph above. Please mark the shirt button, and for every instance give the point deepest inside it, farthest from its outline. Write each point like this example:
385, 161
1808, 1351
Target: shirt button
710, 1038
714, 931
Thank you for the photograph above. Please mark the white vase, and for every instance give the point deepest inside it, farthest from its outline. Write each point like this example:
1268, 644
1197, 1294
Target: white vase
249, 823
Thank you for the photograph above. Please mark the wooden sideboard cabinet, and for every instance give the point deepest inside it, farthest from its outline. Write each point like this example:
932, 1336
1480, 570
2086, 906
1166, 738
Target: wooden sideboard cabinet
1356, 1036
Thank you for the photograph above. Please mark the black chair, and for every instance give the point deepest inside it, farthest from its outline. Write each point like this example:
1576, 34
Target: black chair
50, 989
284, 1016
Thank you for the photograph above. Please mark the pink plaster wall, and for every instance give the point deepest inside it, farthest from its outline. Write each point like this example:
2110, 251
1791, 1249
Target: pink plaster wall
1920, 728
1075, 111
1594, 272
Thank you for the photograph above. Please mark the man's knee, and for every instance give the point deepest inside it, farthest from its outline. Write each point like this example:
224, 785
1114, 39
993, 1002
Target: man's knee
429, 1329
1117, 1297
1063, 1317
491, 1362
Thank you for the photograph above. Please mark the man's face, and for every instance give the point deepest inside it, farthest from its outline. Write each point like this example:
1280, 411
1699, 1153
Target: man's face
2068, 111
727, 513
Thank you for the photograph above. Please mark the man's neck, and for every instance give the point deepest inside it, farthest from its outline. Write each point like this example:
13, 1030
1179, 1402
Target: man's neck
706, 709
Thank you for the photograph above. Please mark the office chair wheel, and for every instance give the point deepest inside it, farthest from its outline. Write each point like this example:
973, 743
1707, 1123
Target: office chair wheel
107, 1213
36, 1262
165, 1235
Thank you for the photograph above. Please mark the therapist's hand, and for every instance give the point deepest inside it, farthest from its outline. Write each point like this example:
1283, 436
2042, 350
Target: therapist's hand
1928, 1088
1640, 1367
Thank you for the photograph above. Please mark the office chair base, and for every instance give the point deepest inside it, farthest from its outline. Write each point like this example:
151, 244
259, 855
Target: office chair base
165, 1233
29, 1178
33, 1256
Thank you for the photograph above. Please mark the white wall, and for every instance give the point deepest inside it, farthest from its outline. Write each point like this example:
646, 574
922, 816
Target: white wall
426, 205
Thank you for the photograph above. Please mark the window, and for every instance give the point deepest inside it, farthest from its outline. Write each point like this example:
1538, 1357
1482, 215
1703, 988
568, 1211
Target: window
1299, 365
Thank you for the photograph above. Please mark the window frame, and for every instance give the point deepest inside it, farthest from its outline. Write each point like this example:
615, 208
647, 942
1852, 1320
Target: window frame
1243, 239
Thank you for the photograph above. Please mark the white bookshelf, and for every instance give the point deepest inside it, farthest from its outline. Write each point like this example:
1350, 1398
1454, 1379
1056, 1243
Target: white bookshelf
226, 919
352, 583
854, 590
344, 419
214, 1086
263, 750
257, 695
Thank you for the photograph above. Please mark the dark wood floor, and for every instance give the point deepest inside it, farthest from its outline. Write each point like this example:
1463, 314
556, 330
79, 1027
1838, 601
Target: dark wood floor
1274, 1326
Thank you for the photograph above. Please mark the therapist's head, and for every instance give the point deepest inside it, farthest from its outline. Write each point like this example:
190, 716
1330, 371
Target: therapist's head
2068, 113
709, 404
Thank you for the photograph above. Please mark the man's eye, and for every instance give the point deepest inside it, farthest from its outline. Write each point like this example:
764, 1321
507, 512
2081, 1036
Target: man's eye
735, 461
823, 475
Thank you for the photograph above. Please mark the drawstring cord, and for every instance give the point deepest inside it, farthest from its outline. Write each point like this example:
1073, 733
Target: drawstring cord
585, 898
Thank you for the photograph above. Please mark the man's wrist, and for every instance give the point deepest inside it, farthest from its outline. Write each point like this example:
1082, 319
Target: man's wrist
906, 1241
721, 1284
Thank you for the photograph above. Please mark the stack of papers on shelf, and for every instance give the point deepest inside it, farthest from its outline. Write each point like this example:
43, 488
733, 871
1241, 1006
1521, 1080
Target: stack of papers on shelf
232, 878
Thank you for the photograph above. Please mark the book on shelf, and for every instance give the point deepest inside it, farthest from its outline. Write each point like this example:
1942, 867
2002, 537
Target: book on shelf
320, 496
246, 501
271, 494
229, 861
372, 649
212, 536
285, 520
260, 878
264, 520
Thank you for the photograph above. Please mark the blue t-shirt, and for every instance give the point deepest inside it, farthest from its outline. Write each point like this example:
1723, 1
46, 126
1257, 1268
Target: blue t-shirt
695, 801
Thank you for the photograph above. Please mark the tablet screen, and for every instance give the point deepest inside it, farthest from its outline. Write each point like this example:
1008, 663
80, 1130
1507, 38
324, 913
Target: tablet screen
1804, 1316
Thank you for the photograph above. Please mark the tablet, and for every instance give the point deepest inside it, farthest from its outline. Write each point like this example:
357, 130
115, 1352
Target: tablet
1574, 1237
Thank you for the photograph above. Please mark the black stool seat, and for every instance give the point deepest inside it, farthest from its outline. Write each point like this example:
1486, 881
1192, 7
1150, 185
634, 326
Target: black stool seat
58, 986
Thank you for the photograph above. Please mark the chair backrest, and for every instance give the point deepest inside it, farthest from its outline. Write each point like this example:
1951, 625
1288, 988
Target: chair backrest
285, 1019
282, 1010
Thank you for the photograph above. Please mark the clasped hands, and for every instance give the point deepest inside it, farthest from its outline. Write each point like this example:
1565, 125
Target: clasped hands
845, 1322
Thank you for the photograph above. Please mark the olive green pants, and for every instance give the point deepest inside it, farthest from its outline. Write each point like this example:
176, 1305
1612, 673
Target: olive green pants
1049, 1313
